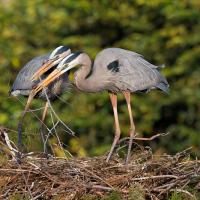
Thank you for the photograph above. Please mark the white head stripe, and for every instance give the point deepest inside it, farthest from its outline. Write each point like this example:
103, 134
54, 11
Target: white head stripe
55, 51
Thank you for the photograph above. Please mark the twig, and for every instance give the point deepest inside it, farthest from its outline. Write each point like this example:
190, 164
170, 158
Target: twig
99, 187
90, 172
37, 197
152, 137
8, 143
47, 98
185, 192
154, 177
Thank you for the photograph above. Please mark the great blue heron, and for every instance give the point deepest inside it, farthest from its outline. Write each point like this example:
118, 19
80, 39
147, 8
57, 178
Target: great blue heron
115, 70
23, 85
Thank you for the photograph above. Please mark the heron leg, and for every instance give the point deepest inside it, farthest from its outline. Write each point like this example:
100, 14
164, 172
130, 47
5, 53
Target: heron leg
42, 134
30, 98
113, 98
127, 96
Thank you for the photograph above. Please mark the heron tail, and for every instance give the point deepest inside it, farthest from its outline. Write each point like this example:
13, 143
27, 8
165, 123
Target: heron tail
163, 86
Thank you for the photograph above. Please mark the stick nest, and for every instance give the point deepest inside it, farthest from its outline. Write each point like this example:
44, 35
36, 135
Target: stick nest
148, 176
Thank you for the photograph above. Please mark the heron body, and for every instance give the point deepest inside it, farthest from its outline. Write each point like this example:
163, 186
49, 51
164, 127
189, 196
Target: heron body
23, 85
118, 70
115, 70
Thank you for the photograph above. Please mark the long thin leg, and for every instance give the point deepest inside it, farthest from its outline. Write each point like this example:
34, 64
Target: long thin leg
42, 126
113, 98
30, 98
132, 125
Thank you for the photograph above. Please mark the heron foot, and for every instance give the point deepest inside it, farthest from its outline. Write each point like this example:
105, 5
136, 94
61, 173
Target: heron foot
132, 136
20, 136
115, 141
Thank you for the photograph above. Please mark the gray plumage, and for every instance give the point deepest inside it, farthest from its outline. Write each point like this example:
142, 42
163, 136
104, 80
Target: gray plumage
116, 70
134, 72
23, 84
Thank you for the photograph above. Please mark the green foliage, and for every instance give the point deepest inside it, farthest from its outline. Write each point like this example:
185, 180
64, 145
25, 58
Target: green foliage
136, 192
89, 197
19, 197
165, 32
113, 196
181, 196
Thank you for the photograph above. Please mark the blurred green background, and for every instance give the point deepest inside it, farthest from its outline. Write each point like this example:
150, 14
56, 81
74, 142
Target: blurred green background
166, 32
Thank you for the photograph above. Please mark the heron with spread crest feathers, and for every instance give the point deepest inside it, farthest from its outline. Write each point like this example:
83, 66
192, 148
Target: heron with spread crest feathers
38, 69
114, 70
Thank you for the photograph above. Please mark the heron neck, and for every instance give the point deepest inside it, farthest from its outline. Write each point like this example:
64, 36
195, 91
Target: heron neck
84, 78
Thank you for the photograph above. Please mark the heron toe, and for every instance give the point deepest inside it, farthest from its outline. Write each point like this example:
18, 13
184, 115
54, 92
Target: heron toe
132, 136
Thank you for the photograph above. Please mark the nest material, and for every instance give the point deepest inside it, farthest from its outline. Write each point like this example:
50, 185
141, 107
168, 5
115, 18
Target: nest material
60, 178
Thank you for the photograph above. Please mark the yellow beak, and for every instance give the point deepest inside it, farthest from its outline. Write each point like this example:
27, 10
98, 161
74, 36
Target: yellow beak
42, 70
54, 75
48, 65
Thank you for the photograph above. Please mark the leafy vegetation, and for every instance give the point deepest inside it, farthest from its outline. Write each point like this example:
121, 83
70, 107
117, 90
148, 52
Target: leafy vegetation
165, 32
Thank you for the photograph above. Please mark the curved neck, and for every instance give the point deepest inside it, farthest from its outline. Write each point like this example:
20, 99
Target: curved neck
84, 78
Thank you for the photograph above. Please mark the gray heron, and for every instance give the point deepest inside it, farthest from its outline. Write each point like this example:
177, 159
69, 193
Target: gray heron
114, 70
37, 70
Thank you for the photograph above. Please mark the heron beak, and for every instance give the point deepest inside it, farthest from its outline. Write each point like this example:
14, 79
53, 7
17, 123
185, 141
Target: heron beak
42, 70
54, 75
48, 65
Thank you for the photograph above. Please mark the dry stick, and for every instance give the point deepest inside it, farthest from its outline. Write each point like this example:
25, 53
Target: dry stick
49, 103
5, 194
26, 182
34, 115
13, 151
10, 181
183, 191
96, 176
45, 174
50, 132
100, 187
15, 170
29, 188
168, 188
37, 109
59, 142
155, 177
165, 186
153, 197
152, 137
34, 165
145, 139
36, 197
52, 110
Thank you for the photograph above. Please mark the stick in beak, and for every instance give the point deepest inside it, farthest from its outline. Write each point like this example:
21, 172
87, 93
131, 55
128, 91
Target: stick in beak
54, 75
48, 65
42, 70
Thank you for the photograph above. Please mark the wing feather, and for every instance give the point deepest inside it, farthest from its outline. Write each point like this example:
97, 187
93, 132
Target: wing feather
23, 79
137, 74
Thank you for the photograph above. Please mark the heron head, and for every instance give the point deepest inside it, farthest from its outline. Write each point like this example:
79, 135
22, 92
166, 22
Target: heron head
70, 61
60, 50
54, 58
67, 63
